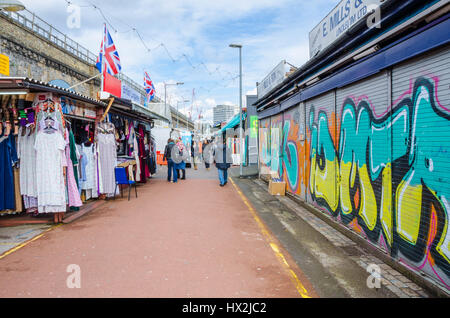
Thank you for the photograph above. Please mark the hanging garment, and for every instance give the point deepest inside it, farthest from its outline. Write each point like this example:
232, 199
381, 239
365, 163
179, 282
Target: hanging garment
89, 170
134, 152
74, 157
73, 195
27, 155
142, 156
50, 160
107, 161
8, 157
17, 196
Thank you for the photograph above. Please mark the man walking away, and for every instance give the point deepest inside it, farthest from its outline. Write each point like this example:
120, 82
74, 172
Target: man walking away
223, 159
206, 150
170, 163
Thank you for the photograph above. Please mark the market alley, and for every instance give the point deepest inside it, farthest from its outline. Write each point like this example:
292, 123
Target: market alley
190, 239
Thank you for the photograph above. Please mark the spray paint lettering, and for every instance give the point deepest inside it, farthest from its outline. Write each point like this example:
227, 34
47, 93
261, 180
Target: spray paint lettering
390, 174
387, 177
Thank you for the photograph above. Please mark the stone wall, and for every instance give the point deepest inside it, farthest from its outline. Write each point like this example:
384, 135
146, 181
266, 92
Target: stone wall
33, 56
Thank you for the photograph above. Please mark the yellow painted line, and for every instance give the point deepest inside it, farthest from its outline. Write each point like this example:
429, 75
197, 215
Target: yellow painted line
18, 247
269, 238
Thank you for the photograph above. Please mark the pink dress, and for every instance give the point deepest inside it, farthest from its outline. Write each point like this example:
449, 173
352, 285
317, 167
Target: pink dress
72, 189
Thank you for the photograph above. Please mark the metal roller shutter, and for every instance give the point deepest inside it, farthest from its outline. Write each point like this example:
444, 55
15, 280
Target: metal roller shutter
276, 134
264, 146
422, 176
291, 152
365, 157
321, 134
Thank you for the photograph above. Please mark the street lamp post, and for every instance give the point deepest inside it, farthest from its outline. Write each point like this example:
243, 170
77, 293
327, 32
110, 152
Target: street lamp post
165, 94
11, 5
241, 144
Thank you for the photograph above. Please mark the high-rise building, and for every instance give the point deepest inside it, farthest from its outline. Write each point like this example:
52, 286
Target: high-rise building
223, 113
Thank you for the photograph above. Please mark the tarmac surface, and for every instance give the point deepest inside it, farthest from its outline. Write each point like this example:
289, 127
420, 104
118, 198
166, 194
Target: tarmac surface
189, 239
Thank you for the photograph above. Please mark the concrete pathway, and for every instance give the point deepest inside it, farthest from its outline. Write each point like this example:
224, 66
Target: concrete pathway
190, 239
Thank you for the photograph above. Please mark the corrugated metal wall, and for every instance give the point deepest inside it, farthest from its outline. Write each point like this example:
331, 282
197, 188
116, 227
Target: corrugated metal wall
364, 153
321, 132
422, 176
376, 154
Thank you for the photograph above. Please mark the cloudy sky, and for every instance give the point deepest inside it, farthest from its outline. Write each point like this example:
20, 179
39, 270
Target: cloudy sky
195, 36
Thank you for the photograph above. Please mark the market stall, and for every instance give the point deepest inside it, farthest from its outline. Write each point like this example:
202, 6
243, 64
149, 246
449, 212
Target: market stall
44, 169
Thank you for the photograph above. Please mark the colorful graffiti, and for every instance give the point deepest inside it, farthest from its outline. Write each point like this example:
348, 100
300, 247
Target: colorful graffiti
388, 176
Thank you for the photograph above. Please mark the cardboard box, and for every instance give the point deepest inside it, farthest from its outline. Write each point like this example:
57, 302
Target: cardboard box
277, 187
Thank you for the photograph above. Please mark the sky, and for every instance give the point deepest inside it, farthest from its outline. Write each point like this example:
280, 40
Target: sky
188, 41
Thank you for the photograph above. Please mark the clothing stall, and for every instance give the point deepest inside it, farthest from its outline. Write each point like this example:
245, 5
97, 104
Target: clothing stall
134, 145
48, 148
59, 149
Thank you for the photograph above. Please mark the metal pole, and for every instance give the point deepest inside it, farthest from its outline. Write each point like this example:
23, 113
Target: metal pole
240, 112
165, 100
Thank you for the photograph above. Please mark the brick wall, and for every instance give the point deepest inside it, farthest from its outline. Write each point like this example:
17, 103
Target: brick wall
34, 56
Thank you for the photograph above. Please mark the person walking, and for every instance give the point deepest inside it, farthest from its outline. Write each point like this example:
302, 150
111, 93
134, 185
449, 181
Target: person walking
182, 152
171, 170
206, 151
222, 159
193, 153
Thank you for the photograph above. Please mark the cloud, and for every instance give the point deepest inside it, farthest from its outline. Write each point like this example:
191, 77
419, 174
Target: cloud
196, 35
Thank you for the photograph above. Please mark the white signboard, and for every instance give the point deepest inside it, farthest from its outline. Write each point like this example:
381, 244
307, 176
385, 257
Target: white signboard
130, 93
274, 78
342, 18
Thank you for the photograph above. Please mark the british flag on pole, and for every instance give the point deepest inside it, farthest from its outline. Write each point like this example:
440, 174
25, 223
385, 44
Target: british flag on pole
148, 86
109, 52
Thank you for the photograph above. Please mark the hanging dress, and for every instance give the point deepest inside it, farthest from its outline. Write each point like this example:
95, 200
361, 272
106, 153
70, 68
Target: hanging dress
107, 160
89, 184
27, 155
50, 160
8, 157
72, 189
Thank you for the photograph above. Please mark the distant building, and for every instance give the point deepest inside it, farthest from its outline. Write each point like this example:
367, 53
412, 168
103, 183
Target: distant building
223, 113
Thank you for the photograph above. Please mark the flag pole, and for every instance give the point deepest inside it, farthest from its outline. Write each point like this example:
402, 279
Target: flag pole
103, 57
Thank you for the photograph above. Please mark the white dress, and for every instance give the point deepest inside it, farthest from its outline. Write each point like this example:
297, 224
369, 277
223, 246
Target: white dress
50, 160
90, 183
27, 156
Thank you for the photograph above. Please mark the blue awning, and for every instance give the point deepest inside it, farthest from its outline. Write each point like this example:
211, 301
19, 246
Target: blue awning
233, 123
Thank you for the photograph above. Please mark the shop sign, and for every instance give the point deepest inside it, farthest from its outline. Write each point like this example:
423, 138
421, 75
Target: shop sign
253, 126
274, 78
345, 15
4, 65
130, 93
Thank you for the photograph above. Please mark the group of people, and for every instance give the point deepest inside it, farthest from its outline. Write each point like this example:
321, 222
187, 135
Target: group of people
176, 155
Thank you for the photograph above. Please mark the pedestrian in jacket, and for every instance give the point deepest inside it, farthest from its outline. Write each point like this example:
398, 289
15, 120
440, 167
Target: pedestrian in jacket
171, 170
181, 163
206, 151
223, 160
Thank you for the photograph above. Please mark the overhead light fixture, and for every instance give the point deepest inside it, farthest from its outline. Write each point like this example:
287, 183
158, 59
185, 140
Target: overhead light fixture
367, 52
314, 80
11, 5
13, 92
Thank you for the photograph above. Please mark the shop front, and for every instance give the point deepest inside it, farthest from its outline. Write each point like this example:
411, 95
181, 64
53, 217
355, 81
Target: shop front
47, 146
59, 149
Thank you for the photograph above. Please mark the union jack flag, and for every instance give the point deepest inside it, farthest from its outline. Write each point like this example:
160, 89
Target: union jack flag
148, 86
109, 51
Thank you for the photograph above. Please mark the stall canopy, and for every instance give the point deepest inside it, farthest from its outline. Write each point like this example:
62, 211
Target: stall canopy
24, 85
231, 124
